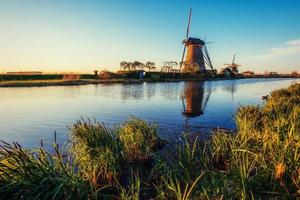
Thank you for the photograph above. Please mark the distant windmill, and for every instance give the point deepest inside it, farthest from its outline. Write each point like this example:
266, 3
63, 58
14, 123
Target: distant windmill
233, 66
197, 57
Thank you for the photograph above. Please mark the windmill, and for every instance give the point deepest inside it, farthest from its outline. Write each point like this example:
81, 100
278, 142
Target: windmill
197, 57
233, 66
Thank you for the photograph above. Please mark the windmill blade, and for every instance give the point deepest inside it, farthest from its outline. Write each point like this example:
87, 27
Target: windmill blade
206, 61
233, 58
186, 36
207, 57
184, 48
189, 23
210, 63
206, 99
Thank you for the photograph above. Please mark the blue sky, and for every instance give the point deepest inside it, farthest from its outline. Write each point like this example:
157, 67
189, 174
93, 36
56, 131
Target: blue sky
82, 35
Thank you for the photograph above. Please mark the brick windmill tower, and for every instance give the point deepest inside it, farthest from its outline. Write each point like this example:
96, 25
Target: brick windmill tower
197, 57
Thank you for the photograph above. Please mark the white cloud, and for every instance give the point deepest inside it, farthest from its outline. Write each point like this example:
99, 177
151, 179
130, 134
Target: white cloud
289, 48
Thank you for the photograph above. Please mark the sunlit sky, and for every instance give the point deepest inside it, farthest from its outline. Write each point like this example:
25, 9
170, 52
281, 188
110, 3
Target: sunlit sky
83, 35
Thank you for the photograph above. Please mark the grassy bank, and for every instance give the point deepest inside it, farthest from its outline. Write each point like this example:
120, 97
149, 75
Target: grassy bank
261, 160
83, 79
61, 82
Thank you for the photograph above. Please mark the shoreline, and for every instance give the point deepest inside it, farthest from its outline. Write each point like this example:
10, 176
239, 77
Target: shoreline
44, 83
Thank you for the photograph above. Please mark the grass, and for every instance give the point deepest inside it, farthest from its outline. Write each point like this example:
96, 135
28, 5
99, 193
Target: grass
261, 160
138, 139
61, 82
39, 175
264, 154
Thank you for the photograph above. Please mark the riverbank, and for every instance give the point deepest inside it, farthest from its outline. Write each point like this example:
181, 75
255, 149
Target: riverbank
40, 83
43, 83
261, 160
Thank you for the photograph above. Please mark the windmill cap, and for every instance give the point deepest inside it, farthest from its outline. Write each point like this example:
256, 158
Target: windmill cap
193, 41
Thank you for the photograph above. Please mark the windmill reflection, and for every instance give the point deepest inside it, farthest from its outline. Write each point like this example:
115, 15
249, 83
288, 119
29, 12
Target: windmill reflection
231, 88
194, 99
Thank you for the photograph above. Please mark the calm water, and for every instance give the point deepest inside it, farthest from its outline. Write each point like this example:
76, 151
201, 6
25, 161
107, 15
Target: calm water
28, 115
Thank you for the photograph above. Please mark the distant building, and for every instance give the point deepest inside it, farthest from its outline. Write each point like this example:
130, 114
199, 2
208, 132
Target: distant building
25, 73
248, 73
227, 72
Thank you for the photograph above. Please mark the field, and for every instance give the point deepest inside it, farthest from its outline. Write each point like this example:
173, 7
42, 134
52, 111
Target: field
260, 160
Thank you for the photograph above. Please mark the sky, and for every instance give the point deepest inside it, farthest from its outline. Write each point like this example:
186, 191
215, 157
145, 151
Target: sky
83, 35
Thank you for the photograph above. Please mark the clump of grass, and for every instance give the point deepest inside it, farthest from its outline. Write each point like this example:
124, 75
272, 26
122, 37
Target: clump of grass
132, 191
138, 139
177, 189
39, 175
107, 156
97, 151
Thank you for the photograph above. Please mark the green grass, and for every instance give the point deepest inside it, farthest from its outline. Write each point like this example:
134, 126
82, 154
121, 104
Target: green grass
138, 139
264, 154
260, 160
40, 175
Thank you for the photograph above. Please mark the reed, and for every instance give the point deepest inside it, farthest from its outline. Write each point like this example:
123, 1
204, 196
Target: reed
39, 175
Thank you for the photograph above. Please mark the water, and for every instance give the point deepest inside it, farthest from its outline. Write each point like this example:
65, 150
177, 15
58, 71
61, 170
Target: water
28, 115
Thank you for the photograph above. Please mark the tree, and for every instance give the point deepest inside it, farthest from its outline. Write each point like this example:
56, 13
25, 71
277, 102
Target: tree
150, 65
124, 65
294, 74
168, 66
137, 65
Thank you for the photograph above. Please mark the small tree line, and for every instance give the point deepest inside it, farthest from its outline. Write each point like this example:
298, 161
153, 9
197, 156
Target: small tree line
168, 66
132, 66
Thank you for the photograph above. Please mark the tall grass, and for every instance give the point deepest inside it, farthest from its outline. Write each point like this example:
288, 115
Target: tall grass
138, 139
39, 175
264, 154
96, 151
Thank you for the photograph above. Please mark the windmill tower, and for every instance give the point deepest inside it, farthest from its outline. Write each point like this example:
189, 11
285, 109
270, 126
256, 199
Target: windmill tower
197, 57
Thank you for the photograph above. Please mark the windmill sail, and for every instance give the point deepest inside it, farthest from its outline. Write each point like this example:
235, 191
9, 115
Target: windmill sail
207, 57
186, 36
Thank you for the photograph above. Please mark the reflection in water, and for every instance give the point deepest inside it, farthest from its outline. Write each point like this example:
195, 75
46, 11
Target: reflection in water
194, 99
150, 90
132, 92
30, 114
170, 91
231, 88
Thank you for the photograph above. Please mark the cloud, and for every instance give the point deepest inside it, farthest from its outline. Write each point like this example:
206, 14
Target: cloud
289, 48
